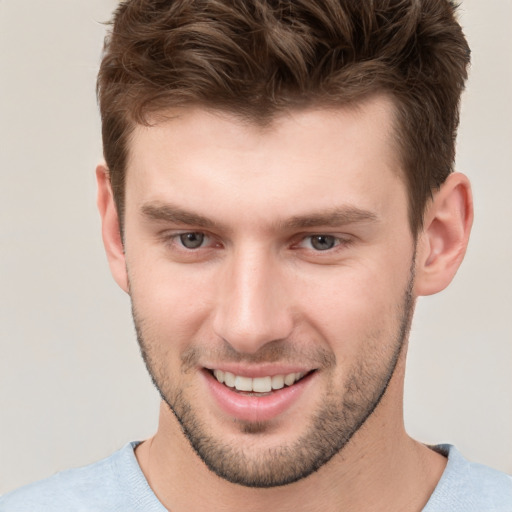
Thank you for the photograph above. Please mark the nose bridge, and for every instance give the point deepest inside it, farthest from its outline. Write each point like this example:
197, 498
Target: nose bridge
251, 307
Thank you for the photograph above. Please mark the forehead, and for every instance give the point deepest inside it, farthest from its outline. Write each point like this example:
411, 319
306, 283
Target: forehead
214, 160
375, 111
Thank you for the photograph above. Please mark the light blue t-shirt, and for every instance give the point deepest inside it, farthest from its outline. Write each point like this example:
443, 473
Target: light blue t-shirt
117, 484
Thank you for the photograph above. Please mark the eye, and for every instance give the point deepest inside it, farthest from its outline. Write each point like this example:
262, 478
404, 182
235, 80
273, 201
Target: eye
192, 240
322, 242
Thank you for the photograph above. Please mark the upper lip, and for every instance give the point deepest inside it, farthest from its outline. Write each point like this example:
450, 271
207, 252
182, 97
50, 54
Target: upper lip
260, 370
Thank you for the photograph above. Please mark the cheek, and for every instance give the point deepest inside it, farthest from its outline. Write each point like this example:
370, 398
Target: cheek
355, 307
172, 301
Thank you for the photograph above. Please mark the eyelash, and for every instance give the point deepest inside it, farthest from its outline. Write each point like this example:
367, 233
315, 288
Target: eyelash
339, 241
175, 240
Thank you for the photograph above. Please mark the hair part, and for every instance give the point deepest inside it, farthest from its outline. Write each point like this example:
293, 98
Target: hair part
259, 58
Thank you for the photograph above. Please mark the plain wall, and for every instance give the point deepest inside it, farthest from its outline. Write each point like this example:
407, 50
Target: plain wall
72, 386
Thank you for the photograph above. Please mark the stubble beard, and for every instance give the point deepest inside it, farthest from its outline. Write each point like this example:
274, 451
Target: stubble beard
333, 424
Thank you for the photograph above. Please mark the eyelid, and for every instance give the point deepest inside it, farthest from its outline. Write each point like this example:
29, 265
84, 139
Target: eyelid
173, 238
341, 239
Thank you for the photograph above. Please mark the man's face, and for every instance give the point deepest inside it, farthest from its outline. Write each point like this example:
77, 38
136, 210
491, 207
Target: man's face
270, 273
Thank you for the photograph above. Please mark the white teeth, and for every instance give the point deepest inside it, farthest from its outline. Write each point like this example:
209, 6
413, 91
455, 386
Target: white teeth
243, 383
258, 384
277, 382
289, 379
229, 379
262, 385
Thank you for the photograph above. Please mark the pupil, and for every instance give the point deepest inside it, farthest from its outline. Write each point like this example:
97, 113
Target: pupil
322, 242
192, 240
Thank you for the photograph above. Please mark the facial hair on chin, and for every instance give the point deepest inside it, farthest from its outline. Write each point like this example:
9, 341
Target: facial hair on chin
332, 425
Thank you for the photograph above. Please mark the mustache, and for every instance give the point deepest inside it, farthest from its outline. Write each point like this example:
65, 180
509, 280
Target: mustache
273, 352
287, 351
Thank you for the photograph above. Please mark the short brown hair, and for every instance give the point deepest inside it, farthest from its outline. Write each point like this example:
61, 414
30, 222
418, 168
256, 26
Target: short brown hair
256, 58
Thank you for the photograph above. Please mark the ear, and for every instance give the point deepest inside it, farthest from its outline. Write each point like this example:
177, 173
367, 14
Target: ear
110, 228
444, 239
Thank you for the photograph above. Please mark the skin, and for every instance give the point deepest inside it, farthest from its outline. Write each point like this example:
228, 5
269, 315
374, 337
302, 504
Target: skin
258, 295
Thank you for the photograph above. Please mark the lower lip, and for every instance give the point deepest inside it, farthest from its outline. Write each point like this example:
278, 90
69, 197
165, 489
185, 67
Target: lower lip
253, 408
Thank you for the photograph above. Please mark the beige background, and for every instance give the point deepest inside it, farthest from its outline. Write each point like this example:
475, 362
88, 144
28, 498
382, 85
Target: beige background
72, 388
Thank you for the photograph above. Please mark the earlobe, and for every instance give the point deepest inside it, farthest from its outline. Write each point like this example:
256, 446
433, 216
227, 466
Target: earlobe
110, 228
443, 241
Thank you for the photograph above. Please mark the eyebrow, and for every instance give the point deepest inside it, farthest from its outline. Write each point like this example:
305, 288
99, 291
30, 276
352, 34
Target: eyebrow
333, 217
171, 213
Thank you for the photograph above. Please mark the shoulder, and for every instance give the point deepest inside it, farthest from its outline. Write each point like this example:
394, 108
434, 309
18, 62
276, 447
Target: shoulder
467, 486
105, 485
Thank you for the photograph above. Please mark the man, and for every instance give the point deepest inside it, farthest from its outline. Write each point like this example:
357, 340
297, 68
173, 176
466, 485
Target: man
277, 192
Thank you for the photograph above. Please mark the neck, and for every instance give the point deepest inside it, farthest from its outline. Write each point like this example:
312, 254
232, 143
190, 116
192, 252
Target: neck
380, 469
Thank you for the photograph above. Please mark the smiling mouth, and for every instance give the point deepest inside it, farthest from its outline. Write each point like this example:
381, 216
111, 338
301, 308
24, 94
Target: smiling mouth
259, 385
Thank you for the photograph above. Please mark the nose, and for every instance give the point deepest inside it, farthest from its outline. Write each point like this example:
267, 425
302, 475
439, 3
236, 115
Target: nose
253, 307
